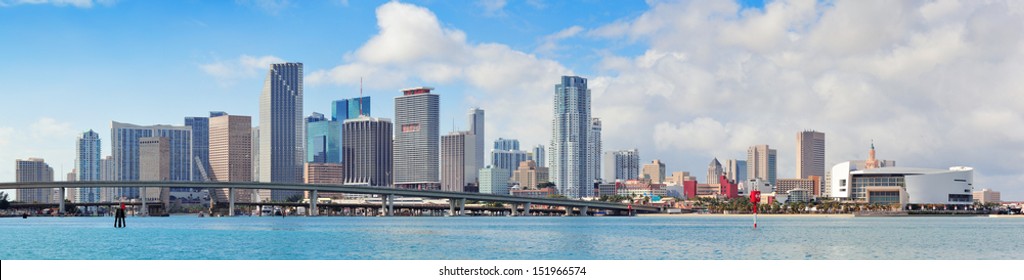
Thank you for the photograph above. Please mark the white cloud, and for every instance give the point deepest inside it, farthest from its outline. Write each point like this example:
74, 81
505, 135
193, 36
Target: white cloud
504, 82
59, 3
48, 128
934, 83
549, 43
492, 7
245, 67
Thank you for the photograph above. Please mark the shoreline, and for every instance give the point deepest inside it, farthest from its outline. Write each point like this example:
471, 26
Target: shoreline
691, 215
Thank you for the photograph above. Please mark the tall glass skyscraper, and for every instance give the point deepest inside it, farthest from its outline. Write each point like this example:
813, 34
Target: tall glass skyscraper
538, 156
475, 119
571, 130
506, 154
282, 137
323, 139
347, 109
124, 145
417, 136
87, 163
200, 145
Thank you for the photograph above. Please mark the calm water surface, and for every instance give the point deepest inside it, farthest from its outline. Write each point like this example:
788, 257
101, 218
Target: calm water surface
500, 238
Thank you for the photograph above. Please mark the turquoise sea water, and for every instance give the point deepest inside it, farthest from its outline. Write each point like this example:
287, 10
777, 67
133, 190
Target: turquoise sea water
513, 238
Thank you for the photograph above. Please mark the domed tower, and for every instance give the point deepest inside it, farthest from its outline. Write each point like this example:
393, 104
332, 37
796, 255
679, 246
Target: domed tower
871, 162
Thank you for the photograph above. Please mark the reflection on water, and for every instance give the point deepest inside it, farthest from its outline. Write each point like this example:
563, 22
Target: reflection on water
188, 237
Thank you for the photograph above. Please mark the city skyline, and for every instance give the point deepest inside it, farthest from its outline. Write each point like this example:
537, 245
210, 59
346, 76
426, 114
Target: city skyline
853, 103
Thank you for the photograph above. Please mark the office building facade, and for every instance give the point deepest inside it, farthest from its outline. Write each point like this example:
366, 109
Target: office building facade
621, 165
654, 171
231, 154
494, 180
87, 166
810, 154
282, 137
457, 161
475, 120
323, 139
761, 163
352, 108
124, 140
417, 132
367, 150
34, 170
570, 135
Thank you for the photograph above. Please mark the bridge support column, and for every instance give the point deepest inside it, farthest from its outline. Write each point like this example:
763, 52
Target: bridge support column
513, 209
462, 207
583, 211
391, 205
61, 209
451, 207
231, 202
568, 210
142, 196
526, 209
312, 204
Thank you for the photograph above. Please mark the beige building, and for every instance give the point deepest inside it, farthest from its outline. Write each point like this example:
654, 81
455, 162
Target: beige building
231, 154
458, 161
761, 163
529, 175
155, 165
655, 171
785, 185
810, 154
679, 177
985, 196
34, 170
325, 173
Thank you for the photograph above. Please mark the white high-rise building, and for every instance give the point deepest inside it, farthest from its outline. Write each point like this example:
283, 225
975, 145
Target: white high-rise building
570, 135
282, 135
538, 156
714, 170
594, 149
87, 165
621, 165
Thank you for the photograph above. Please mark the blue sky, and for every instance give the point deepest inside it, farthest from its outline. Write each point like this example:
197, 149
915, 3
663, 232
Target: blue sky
932, 82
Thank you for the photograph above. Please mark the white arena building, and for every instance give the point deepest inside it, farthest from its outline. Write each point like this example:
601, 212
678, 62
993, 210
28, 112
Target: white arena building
902, 185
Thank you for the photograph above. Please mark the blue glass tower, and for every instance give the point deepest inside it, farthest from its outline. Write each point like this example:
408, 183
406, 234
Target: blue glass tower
323, 139
352, 108
124, 140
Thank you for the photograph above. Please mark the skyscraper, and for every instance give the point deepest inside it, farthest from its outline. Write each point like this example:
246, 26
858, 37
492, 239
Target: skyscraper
736, 170
231, 153
282, 152
367, 151
506, 154
87, 164
810, 154
457, 161
323, 139
34, 170
124, 142
200, 145
761, 163
539, 157
417, 132
154, 165
714, 170
571, 126
654, 171
621, 165
352, 108
107, 174
594, 150
475, 119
